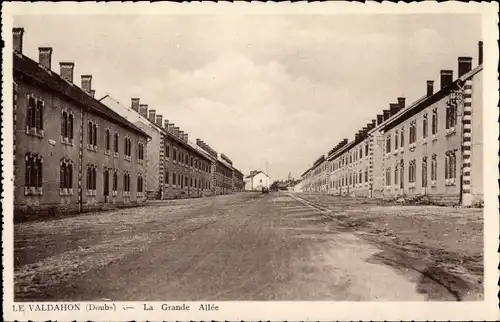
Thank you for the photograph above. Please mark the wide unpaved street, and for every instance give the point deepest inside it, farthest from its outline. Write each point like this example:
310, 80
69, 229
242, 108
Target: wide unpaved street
251, 246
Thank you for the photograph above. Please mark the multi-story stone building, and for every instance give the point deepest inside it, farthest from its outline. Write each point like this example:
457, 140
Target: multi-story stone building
71, 152
187, 168
238, 181
136, 113
440, 141
433, 147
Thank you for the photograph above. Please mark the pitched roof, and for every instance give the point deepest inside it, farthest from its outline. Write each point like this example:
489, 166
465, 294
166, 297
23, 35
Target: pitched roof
426, 101
254, 173
31, 71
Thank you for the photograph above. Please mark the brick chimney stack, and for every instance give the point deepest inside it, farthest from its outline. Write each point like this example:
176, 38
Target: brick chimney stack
67, 70
464, 65
45, 57
430, 88
480, 53
165, 124
171, 127
446, 77
159, 120
387, 114
401, 102
135, 103
92, 93
152, 115
380, 119
143, 110
17, 35
393, 108
87, 83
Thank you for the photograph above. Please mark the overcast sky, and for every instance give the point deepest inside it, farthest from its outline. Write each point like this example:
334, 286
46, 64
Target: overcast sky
281, 89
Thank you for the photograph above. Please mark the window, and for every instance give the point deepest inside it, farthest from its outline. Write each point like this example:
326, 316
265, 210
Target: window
67, 126
34, 171
128, 147
139, 183
360, 152
388, 176
106, 182
107, 140
425, 126
115, 143
126, 182
434, 121
34, 115
412, 172
173, 178
402, 141
451, 115
434, 167
167, 151
450, 165
141, 151
396, 174
366, 175
424, 172
396, 140
360, 176
366, 149
388, 144
66, 174
175, 155
413, 132
402, 174
91, 177
92, 134
115, 181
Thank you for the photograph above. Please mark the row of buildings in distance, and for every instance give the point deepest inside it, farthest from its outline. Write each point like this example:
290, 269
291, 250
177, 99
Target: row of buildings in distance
432, 147
73, 152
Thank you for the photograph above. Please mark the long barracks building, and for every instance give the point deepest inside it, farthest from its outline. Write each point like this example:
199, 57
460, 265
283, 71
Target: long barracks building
432, 147
71, 152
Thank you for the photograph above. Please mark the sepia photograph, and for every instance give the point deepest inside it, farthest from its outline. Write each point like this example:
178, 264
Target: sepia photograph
170, 158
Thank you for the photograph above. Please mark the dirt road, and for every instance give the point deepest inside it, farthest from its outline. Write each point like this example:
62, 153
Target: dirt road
246, 246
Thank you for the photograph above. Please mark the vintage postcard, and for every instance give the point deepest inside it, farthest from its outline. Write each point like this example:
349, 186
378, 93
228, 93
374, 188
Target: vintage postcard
250, 161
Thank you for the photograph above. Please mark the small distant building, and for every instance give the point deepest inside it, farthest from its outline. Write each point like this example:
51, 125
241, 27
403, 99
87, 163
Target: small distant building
257, 180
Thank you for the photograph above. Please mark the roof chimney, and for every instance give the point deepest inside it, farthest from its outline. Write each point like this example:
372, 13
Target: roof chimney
87, 83
143, 110
446, 77
67, 70
152, 115
374, 123
176, 130
387, 114
165, 124
17, 35
186, 137
393, 108
401, 102
92, 93
135, 103
464, 65
171, 127
159, 120
181, 135
480, 54
380, 119
45, 57
430, 88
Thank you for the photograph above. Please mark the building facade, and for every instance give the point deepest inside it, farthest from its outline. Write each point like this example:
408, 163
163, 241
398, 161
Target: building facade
257, 180
154, 157
431, 148
238, 182
72, 153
